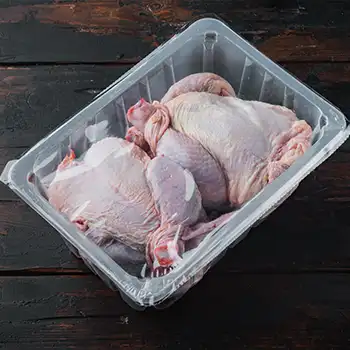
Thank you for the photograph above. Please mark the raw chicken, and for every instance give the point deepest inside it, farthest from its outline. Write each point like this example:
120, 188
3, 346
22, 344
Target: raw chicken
198, 82
253, 142
191, 155
179, 204
184, 223
107, 192
206, 171
180, 148
201, 82
143, 198
133, 207
185, 151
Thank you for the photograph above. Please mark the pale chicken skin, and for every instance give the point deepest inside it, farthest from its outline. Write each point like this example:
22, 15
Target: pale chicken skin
191, 155
206, 171
107, 191
253, 142
198, 148
179, 204
180, 148
135, 208
184, 222
200, 82
263, 141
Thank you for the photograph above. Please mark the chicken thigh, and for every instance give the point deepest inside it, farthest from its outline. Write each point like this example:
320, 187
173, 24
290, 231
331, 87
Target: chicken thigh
131, 206
107, 192
190, 155
180, 148
253, 142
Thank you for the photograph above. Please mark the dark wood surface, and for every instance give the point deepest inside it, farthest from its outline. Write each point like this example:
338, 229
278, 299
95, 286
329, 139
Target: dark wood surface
286, 286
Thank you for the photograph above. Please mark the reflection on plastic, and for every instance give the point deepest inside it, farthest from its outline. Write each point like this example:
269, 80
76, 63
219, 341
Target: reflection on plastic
97, 132
145, 213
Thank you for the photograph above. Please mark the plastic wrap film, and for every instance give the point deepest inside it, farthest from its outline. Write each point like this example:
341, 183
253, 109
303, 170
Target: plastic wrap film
176, 161
143, 212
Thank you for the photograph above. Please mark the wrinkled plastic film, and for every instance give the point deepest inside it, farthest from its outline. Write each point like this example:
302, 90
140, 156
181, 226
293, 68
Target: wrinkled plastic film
92, 192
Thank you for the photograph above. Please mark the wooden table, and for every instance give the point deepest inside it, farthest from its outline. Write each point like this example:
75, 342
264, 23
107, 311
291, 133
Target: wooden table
286, 286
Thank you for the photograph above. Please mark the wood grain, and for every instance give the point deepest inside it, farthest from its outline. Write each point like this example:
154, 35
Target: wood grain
110, 30
308, 233
250, 311
28, 242
35, 100
286, 286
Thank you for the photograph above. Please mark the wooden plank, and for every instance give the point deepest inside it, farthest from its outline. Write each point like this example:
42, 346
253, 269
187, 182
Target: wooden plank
6, 155
330, 80
28, 242
309, 232
66, 31
245, 311
35, 100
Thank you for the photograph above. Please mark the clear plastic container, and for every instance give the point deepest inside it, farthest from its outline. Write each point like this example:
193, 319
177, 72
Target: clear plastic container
207, 44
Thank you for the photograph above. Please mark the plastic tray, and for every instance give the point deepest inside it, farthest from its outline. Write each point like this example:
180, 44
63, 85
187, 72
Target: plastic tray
205, 45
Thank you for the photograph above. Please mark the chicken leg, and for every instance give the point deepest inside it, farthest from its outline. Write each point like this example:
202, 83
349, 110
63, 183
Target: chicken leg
179, 204
253, 142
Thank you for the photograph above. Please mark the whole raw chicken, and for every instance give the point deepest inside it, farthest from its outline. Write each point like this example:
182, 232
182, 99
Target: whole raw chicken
135, 208
252, 142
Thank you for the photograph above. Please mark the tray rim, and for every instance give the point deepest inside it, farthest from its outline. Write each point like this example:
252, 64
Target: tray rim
107, 266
